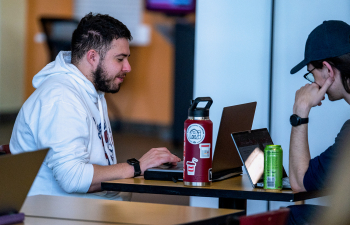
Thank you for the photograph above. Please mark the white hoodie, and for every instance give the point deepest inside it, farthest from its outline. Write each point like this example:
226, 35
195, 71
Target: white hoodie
65, 114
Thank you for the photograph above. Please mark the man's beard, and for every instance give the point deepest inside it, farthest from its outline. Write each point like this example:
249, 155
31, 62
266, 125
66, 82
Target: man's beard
102, 83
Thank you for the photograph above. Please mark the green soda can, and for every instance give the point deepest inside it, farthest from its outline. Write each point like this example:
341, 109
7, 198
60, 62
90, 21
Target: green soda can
273, 156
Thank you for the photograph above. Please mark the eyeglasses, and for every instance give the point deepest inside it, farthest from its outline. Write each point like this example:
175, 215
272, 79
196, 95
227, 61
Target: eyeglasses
309, 76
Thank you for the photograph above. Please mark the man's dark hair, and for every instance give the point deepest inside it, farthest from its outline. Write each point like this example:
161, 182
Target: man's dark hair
342, 63
96, 32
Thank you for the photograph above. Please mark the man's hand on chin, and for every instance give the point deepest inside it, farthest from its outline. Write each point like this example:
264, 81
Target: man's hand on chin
309, 96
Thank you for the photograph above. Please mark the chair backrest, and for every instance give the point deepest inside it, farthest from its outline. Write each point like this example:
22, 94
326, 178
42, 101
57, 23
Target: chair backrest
4, 149
58, 33
276, 217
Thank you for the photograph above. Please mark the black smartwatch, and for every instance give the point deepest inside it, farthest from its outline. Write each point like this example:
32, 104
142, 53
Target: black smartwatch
296, 120
136, 164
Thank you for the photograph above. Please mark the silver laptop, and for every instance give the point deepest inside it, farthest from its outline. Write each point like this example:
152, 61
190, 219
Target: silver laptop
226, 161
250, 146
17, 176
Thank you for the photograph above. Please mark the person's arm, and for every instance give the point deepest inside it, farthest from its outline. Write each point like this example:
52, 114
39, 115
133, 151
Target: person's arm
299, 154
154, 157
63, 128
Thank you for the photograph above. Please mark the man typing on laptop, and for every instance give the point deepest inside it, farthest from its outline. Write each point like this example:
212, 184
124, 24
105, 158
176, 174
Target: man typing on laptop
327, 57
68, 114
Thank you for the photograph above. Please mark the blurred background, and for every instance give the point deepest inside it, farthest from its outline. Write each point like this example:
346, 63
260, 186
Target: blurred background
233, 51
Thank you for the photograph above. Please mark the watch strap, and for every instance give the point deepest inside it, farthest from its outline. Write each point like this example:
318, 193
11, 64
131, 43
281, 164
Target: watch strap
304, 120
137, 169
136, 164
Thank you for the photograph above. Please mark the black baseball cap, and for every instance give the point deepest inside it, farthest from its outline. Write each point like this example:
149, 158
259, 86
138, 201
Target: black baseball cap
330, 39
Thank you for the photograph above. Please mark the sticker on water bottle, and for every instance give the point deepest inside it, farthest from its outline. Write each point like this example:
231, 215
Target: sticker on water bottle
195, 133
204, 150
191, 166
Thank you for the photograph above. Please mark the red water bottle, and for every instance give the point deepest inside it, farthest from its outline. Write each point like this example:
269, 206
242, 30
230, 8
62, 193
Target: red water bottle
198, 140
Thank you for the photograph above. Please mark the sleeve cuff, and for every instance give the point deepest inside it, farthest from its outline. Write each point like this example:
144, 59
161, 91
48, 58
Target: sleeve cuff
86, 178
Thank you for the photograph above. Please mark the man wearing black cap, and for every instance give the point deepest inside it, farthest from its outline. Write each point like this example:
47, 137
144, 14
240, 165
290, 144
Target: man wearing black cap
327, 57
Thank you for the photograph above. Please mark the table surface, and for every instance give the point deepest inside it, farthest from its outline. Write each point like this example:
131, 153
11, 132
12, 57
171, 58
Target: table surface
96, 211
51, 221
236, 188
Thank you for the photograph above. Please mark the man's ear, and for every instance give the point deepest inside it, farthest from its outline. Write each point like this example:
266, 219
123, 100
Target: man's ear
329, 69
93, 58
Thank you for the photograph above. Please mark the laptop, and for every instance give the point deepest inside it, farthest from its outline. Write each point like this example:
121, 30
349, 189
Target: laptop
17, 176
250, 146
226, 161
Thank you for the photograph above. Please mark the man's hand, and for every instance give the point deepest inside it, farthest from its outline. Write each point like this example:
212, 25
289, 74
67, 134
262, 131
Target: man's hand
156, 157
309, 96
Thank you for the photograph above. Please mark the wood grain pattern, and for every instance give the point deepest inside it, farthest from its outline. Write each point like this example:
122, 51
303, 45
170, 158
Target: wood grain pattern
109, 211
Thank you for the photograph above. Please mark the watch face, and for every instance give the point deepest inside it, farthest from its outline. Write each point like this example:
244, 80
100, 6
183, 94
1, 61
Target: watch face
294, 120
132, 161
136, 164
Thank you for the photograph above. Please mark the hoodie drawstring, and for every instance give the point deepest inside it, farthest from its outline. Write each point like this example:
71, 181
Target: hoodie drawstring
100, 109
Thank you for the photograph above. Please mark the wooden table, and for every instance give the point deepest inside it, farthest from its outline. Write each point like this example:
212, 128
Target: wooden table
75, 210
51, 221
232, 193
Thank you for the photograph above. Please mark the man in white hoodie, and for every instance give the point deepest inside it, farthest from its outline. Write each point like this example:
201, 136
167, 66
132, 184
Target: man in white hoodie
68, 113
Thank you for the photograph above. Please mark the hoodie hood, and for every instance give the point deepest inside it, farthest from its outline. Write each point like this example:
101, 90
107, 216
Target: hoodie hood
63, 65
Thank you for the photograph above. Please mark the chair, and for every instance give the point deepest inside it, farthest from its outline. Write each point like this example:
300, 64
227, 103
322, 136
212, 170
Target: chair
4, 149
276, 217
58, 33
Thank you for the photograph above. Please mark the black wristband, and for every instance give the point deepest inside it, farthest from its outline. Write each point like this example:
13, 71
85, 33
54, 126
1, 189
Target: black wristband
136, 164
296, 120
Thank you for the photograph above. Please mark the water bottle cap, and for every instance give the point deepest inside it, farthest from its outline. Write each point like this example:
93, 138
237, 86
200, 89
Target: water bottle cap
193, 111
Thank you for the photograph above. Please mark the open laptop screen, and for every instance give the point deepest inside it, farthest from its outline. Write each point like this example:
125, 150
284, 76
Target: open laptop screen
234, 119
17, 175
250, 146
